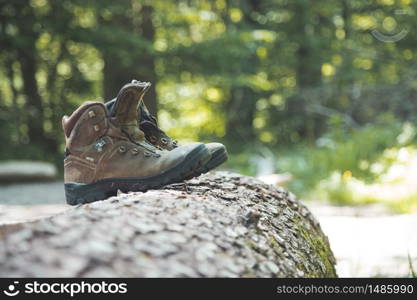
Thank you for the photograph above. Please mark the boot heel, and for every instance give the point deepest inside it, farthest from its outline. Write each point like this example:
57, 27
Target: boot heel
78, 193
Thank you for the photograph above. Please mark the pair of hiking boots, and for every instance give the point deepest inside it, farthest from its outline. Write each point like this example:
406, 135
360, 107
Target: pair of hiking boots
119, 146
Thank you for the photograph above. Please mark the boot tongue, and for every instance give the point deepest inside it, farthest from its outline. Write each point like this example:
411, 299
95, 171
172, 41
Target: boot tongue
68, 123
136, 88
124, 108
133, 132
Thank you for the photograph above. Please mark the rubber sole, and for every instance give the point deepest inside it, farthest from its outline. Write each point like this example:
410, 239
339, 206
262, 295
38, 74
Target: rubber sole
79, 193
217, 158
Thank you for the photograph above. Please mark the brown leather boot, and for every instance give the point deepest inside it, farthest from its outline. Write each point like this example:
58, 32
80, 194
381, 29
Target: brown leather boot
101, 159
136, 120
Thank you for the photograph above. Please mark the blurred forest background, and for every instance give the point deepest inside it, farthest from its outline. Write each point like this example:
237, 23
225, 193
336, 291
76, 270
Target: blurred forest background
324, 90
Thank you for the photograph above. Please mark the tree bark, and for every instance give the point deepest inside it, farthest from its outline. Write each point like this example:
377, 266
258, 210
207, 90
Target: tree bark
34, 108
242, 104
216, 225
241, 111
147, 61
142, 65
307, 71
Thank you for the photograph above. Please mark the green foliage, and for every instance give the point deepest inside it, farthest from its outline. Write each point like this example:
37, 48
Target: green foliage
375, 175
394, 185
351, 151
413, 273
358, 166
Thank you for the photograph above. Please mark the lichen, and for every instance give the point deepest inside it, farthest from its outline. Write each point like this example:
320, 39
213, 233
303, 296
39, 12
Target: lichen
320, 247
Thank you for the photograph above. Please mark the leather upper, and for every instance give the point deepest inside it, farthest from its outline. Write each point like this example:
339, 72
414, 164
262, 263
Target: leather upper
97, 149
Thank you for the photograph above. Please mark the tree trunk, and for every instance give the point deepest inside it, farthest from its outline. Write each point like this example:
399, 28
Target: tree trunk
307, 71
142, 65
34, 109
241, 111
242, 104
216, 225
147, 60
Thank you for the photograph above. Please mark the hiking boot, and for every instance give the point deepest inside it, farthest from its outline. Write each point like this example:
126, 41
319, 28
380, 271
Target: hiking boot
100, 159
147, 126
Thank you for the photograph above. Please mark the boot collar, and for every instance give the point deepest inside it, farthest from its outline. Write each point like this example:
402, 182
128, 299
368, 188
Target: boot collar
68, 123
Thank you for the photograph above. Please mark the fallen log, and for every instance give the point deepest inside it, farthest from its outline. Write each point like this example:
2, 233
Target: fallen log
216, 225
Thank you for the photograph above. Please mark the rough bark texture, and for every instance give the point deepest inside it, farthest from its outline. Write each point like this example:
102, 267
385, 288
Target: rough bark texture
219, 224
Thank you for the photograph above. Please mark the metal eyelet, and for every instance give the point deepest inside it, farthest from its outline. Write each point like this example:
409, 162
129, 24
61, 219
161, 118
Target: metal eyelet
147, 154
91, 114
122, 149
134, 151
175, 143
164, 141
157, 155
96, 128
